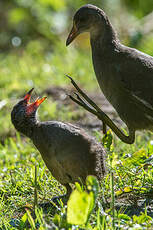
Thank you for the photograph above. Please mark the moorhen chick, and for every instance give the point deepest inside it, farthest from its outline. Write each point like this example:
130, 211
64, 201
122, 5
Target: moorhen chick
125, 75
68, 151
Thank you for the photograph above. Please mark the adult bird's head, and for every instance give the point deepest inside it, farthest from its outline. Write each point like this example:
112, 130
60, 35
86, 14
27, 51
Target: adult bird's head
85, 19
23, 114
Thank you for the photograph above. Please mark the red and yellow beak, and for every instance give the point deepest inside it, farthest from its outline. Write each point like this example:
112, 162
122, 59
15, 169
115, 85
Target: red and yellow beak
39, 101
31, 107
28, 95
72, 35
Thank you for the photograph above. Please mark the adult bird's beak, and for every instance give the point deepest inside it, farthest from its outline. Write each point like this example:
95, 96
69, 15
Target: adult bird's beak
72, 35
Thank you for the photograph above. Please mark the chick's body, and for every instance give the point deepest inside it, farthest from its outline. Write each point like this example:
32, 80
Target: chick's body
68, 151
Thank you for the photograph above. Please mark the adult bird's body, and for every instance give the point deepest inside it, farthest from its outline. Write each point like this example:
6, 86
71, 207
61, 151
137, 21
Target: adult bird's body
68, 151
125, 75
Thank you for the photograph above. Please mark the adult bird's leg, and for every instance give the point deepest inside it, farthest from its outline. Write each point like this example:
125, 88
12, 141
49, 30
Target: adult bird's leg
87, 107
94, 109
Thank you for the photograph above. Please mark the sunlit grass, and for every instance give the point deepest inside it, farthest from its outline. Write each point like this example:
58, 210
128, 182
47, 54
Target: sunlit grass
129, 166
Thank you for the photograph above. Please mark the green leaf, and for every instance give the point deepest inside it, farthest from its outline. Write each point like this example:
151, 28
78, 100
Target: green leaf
30, 219
92, 185
23, 221
138, 158
119, 192
143, 218
127, 189
107, 140
79, 207
78, 187
81, 203
124, 217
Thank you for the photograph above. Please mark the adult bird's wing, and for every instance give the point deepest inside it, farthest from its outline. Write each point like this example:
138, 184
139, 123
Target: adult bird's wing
136, 78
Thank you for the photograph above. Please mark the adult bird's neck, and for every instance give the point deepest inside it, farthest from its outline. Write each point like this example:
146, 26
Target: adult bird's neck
104, 46
103, 37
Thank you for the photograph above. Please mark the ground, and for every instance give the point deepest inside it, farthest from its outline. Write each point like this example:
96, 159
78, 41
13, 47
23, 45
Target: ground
129, 167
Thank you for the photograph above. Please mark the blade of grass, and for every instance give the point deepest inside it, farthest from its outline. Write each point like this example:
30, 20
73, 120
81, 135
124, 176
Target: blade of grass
35, 190
113, 199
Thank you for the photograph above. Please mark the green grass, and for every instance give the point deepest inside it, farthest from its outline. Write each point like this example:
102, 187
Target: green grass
130, 172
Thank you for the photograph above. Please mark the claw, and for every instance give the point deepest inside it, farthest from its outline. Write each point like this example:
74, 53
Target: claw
69, 77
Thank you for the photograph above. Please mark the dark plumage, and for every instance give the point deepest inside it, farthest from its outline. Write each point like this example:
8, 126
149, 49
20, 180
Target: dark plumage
125, 75
68, 151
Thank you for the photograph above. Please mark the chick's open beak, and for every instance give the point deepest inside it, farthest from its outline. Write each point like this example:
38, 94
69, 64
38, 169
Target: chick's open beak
28, 95
72, 35
32, 107
39, 101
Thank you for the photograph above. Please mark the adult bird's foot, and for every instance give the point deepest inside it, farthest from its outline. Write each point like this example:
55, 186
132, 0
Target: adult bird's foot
90, 106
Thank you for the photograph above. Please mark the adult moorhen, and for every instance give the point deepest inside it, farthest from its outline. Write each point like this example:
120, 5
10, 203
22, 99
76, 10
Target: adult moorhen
68, 151
125, 75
